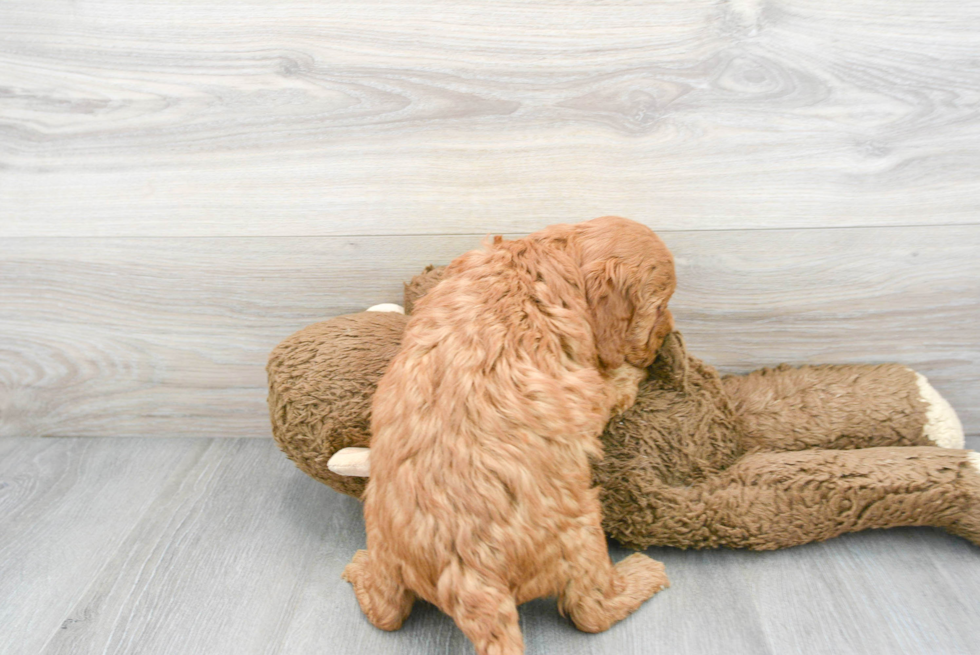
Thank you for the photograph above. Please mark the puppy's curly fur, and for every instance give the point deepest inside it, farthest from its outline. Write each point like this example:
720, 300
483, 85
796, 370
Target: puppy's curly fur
480, 495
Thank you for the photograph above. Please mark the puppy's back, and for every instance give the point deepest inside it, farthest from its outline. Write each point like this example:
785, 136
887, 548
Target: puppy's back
483, 424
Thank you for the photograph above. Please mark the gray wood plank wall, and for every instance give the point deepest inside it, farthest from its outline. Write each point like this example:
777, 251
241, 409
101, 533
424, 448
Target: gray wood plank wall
183, 184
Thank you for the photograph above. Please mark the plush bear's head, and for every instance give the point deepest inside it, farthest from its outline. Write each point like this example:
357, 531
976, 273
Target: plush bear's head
321, 381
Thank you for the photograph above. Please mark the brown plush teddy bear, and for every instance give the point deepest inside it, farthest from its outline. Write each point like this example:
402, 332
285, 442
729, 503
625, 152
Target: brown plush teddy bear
779, 457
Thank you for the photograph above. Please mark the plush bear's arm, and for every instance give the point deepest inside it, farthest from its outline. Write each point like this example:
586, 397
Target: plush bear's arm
841, 407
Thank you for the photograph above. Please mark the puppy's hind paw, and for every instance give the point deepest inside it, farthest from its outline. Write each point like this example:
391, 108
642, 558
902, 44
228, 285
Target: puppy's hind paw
384, 601
642, 576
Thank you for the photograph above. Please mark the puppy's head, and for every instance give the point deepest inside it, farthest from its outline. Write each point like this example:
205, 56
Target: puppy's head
629, 277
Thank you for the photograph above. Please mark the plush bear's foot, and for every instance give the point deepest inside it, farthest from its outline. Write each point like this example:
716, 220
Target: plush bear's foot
968, 525
942, 426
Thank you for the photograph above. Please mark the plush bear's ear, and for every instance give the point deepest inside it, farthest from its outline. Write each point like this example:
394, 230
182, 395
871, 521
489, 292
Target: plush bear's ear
421, 284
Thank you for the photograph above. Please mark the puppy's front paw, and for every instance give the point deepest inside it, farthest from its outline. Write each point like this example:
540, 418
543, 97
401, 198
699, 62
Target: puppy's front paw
624, 384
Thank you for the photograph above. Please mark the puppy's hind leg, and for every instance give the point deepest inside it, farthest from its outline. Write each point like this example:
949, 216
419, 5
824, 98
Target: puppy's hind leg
484, 611
598, 594
384, 600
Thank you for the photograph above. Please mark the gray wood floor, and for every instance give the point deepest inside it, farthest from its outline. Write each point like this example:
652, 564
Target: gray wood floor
161, 546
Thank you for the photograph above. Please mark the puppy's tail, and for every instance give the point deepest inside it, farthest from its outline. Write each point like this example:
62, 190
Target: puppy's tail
484, 610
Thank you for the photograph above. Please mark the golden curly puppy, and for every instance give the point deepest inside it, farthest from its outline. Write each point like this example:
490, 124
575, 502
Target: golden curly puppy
480, 495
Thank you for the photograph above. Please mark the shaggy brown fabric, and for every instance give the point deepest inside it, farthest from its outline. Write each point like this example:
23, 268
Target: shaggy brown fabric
775, 458
321, 383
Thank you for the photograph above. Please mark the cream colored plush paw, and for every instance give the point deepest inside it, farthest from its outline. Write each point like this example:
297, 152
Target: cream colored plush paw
386, 307
974, 458
943, 426
354, 462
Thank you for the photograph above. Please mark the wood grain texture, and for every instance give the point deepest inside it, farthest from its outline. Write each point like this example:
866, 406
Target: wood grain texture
169, 337
183, 184
221, 546
217, 565
65, 506
217, 118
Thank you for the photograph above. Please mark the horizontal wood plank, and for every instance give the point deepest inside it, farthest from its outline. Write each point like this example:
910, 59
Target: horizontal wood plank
333, 118
169, 337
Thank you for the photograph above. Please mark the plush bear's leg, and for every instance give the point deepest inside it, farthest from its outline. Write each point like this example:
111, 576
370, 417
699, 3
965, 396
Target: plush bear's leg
774, 500
599, 594
841, 407
382, 598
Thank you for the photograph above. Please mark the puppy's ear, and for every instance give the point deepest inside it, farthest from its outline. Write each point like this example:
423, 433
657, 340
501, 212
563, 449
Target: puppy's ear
651, 323
611, 308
